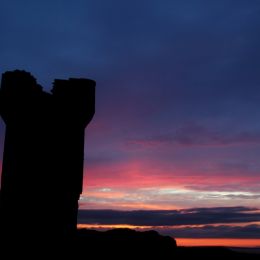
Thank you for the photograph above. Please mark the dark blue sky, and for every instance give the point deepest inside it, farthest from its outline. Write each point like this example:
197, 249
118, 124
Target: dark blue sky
178, 90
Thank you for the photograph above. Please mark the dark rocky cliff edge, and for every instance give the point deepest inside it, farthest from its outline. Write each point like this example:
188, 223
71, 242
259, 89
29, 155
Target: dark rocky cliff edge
113, 244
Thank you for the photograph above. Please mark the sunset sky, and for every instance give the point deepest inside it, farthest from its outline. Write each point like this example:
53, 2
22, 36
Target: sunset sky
177, 124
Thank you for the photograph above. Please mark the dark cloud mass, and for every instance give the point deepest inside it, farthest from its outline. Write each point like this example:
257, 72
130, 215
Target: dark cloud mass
196, 216
208, 231
233, 222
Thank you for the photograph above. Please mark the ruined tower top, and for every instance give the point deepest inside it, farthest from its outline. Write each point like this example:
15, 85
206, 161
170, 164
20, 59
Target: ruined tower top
19, 82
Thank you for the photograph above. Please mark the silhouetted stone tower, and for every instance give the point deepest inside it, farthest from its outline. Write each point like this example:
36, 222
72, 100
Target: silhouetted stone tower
42, 168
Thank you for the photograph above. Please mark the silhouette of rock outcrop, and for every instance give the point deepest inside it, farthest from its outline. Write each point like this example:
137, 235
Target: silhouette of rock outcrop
117, 244
42, 171
131, 244
125, 243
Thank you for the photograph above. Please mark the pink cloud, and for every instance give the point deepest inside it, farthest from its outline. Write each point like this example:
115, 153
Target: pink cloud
142, 173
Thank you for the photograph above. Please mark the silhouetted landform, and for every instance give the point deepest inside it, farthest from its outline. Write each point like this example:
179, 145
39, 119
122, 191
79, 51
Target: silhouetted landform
123, 243
42, 170
119, 244
126, 243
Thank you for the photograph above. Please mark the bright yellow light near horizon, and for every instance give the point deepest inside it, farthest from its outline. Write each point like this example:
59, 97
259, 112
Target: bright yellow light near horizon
161, 228
100, 226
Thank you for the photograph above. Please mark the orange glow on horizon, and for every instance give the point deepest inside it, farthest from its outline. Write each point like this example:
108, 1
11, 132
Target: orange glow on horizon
123, 206
227, 242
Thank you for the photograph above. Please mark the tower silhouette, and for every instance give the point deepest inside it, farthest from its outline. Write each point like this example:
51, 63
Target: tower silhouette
42, 168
